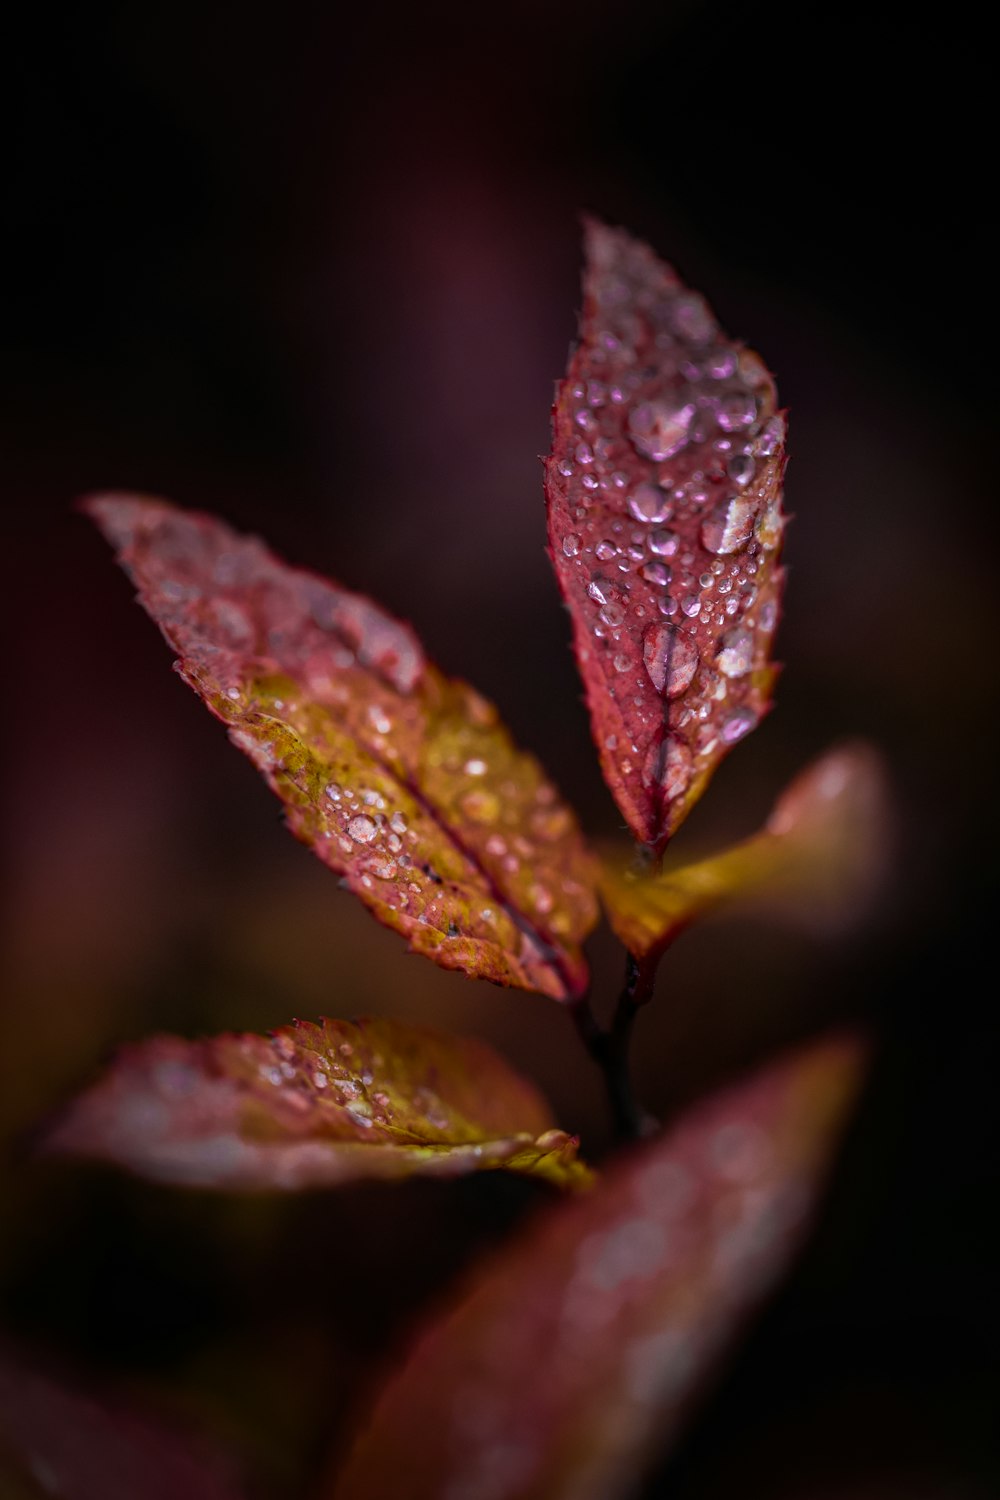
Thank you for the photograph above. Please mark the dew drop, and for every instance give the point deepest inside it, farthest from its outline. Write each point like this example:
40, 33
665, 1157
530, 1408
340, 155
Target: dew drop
728, 525
669, 766
551, 822
735, 657
571, 545
660, 429
648, 502
737, 411
720, 364
737, 724
362, 829
740, 469
772, 437
658, 573
605, 550
596, 592
664, 543
671, 659
540, 898
481, 806
612, 615
397, 823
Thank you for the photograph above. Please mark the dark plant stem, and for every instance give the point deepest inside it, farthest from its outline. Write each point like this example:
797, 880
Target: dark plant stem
609, 1047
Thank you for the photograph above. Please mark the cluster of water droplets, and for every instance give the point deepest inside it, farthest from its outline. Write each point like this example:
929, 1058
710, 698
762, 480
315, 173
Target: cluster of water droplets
375, 837
670, 484
270, 643
321, 1081
509, 819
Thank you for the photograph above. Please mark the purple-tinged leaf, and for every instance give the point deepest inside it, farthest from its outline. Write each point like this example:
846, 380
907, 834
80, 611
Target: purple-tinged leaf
665, 526
316, 1106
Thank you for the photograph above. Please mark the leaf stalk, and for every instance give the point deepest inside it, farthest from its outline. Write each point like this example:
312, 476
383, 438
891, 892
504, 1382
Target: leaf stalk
609, 1048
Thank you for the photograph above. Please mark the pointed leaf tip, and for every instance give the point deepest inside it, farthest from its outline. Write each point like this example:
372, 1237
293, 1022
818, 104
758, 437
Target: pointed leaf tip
316, 1106
400, 779
574, 1358
665, 524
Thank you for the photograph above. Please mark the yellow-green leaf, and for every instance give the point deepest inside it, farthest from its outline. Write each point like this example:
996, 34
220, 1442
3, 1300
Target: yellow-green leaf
817, 860
402, 780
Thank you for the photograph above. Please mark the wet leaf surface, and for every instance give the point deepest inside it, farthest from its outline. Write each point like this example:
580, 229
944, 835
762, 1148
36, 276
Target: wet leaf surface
402, 780
818, 861
315, 1106
665, 527
574, 1357
63, 1444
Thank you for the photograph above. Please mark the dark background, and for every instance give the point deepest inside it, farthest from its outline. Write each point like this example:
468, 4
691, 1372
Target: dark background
320, 275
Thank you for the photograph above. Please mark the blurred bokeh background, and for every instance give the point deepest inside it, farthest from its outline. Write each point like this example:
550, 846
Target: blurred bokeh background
319, 273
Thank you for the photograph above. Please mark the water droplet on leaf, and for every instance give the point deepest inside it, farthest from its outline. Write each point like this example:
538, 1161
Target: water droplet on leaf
649, 503
729, 525
737, 724
671, 659
669, 766
660, 429
735, 657
737, 411
663, 543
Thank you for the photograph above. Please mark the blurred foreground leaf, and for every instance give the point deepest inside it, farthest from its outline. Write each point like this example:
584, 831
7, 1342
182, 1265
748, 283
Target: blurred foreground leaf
315, 1106
59, 1444
402, 780
818, 860
574, 1357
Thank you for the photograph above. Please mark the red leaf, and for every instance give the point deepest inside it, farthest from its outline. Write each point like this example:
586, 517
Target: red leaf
316, 1106
575, 1356
665, 523
61, 1444
818, 861
402, 780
